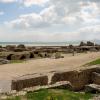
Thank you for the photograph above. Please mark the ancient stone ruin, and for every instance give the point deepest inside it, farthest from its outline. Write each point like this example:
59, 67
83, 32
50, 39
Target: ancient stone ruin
22, 52
77, 80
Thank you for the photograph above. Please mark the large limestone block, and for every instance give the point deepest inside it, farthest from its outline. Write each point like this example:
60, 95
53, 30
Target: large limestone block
29, 81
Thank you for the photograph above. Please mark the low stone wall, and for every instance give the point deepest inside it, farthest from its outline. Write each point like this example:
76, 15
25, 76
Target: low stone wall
28, 81
25, 55
18, 56
78, 79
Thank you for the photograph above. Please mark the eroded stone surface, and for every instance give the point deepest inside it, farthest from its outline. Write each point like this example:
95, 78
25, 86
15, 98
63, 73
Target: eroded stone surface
92, 88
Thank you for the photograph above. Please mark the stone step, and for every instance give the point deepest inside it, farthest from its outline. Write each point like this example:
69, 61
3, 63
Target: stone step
94, 88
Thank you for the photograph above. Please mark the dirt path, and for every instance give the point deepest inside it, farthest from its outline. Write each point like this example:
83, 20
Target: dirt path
69, 62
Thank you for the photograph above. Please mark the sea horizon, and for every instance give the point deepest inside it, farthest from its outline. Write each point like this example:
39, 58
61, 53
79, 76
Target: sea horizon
40, 43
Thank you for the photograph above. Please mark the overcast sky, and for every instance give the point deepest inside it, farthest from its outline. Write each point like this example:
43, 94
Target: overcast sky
49, 20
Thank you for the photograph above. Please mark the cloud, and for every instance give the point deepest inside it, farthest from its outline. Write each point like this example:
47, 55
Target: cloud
29, 3
59, 12
83, 10
60, 20
89, 32
26, 3
84, 33
47, 17
26, 21
90, 12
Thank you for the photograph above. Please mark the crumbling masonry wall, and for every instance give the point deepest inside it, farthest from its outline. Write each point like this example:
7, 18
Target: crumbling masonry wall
78, 79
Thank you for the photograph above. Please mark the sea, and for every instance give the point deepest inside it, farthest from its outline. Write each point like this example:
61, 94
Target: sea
39, 43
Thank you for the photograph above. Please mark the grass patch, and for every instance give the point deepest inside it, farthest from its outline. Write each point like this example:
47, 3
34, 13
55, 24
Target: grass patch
17, 61
15, 98
95, 62
54, 94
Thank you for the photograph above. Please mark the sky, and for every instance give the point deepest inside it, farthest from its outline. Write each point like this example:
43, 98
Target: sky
49, 20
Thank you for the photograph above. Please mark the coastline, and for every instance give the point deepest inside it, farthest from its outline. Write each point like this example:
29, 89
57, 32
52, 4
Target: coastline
40, 43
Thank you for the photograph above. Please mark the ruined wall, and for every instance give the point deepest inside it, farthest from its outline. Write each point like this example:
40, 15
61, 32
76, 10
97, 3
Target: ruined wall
19, 84
77, 79
18, 56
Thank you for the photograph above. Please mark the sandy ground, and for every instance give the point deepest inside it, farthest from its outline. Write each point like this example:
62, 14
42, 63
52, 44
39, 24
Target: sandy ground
69, 62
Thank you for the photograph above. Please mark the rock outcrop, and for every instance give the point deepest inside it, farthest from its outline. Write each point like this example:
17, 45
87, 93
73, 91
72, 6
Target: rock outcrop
4, 61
